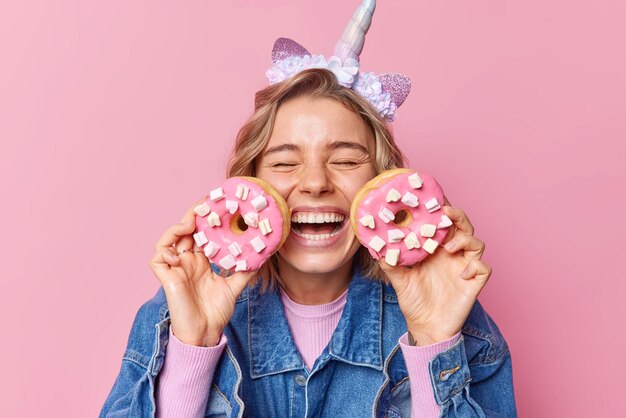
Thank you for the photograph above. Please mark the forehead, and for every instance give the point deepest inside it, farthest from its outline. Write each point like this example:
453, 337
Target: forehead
310, 121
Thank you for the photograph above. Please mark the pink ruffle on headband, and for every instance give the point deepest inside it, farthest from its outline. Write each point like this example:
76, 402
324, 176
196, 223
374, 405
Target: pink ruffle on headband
385, 91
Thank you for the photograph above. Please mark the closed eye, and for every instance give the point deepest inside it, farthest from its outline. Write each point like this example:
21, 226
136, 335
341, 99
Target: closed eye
351, 162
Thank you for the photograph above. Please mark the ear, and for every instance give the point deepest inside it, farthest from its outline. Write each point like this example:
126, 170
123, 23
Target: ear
285, 47
397, 85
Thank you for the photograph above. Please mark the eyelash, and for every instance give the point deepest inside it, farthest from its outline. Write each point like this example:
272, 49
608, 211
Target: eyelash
347, 163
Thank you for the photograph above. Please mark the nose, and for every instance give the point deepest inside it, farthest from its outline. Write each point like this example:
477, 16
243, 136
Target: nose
315, 181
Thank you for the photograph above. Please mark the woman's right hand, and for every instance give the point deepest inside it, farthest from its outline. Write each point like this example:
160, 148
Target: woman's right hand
200, 302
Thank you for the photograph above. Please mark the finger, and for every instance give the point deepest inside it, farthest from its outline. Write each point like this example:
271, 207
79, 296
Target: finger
472, 246
477, 269
192, 261
202, 261
183, 254
393, 273
162, 262
166, 256
459, 219
186, 242
174, 234
199, 252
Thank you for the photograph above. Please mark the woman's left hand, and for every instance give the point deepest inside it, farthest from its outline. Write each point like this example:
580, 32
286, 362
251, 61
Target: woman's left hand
437, 294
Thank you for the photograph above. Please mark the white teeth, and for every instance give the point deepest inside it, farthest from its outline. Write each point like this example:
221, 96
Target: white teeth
316, 218
316, 237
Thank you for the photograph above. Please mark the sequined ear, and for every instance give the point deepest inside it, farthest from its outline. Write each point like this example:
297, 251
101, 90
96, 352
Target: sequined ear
397, 85
285, 47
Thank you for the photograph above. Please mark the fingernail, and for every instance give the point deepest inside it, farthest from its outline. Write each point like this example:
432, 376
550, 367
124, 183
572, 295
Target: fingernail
450, 245
465, 273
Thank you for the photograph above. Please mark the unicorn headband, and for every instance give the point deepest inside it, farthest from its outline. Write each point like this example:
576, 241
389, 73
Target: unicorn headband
385, 91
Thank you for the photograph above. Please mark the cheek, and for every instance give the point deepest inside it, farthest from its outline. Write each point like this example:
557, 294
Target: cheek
352, 183
350, 188
281, 182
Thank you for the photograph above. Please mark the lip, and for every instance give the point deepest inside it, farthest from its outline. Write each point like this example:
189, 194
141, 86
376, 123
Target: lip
304, 242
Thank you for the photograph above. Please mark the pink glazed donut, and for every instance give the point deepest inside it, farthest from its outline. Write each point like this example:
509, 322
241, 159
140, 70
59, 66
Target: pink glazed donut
242, 223
398, 215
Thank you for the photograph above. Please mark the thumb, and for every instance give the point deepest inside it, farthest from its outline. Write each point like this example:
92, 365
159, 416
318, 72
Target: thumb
393, 273
239, 280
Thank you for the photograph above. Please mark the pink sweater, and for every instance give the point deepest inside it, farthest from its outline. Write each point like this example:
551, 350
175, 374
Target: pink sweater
185, 379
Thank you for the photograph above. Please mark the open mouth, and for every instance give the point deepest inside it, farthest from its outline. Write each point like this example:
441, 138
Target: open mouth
317, 226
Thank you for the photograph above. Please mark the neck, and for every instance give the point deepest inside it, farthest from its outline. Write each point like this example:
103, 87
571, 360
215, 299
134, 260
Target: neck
314, 288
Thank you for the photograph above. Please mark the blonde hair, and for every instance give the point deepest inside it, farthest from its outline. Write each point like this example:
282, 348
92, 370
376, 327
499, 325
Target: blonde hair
255, 134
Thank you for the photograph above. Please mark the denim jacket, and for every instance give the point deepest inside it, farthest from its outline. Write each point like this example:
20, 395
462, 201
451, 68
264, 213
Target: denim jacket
360, 373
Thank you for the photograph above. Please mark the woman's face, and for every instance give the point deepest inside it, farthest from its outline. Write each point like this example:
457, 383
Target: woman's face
318, 157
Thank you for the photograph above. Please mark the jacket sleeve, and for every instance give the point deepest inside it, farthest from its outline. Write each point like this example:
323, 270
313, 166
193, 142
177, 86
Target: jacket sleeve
479, 390
133, 393
474, 377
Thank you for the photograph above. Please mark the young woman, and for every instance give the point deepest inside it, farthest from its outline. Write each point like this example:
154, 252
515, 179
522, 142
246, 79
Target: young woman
315, 336
322, 329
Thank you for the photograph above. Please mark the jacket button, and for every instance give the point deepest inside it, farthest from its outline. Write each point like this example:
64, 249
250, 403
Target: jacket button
300, 380
445, 374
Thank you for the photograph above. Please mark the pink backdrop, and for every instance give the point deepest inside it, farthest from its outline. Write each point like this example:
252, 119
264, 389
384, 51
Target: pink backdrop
115, 116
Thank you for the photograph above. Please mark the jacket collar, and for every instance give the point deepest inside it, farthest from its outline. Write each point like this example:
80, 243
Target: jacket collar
356, 340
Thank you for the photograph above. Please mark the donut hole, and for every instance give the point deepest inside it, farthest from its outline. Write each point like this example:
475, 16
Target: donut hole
403, 218
237, 224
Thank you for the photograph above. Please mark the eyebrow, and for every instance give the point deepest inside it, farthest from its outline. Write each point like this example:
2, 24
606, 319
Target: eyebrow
283, 147
347, 145
332, 147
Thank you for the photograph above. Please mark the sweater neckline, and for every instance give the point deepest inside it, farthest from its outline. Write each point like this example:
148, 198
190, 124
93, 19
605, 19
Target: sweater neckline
313, 311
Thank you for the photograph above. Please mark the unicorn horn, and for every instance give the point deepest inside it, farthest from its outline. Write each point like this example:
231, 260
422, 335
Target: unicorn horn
351, 43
